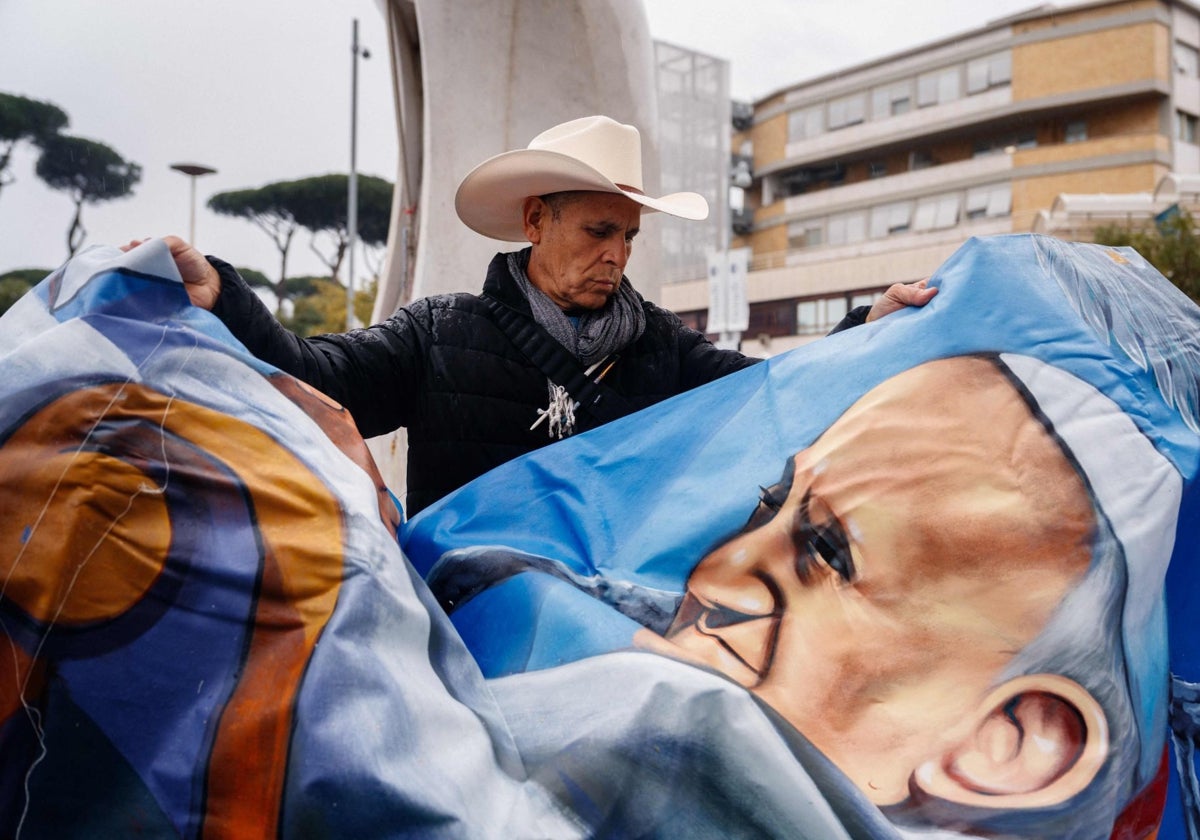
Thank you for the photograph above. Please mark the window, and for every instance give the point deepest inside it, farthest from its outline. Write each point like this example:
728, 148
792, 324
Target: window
949, 85
989, 201
876, 169
804, 235
887, 219
920, 159
864, 299
1187, 60
847, 228
832, 175
774, 317
794, 182
806, 123
925, 215
947, 211
808, 317
891, 100
938, 87
936, 212
1185, 127
1000, 68
987, 147
819, 316
835, 310
988, 72
1006, 144
926, 90
977, 76
848, 110
1076, 131
694, 320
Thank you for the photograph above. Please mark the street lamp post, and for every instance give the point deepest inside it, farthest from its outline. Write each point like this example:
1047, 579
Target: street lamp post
192, 170
352, 197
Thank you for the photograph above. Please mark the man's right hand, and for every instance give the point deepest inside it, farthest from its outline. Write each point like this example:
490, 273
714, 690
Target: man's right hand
200, 279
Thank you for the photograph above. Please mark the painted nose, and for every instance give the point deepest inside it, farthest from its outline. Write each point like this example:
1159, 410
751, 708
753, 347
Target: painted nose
747, 575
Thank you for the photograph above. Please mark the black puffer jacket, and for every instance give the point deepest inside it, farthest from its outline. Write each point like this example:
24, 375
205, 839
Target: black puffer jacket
444, 368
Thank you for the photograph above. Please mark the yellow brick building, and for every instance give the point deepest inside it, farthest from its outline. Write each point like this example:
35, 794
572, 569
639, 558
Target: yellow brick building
876, 173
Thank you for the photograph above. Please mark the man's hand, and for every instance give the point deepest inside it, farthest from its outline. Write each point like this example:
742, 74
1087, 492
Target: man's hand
901, 295
200, 279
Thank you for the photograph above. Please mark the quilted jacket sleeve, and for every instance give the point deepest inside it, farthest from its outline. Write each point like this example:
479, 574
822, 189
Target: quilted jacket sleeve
374, 372
700, 361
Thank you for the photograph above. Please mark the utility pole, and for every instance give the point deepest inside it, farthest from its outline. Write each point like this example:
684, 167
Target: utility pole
352, 197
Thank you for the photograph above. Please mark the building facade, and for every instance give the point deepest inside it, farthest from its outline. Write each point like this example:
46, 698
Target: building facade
875, 174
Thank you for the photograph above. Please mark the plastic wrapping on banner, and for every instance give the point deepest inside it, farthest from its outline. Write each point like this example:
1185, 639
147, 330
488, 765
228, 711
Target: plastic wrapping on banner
929, 577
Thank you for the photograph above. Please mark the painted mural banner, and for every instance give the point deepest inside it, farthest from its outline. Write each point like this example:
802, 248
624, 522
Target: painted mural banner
931, 577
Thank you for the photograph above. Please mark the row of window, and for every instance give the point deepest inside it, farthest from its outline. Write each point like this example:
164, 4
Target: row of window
935, 212
802, 179
936, 87
817, 317
776, 318
933, 88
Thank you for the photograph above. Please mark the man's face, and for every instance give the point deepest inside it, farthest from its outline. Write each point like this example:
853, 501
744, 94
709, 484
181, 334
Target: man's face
924, 539
579, 256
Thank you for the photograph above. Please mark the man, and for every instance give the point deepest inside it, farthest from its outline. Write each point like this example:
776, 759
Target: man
557, 342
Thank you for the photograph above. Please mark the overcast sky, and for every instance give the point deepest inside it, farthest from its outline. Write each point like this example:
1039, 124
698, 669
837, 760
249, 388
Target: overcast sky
260, 91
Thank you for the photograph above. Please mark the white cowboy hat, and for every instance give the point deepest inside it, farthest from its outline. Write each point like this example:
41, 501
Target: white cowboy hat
590, 153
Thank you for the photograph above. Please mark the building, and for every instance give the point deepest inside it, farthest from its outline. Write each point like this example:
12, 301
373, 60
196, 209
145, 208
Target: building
875, 174
693, 144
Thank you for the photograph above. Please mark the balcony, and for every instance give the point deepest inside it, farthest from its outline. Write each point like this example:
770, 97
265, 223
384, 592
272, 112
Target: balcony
935, 179
892, 130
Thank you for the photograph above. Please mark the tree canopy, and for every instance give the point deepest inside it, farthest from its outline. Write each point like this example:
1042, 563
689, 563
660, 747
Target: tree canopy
24, 119
322, 206
322, 309
254, 277
320, 305
268, 208
319, 205
89, 172
14, 284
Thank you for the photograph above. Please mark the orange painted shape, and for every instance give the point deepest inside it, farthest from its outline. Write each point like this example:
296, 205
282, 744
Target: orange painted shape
89, 533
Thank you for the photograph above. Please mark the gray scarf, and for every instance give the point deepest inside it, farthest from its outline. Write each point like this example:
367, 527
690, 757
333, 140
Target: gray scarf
601, 332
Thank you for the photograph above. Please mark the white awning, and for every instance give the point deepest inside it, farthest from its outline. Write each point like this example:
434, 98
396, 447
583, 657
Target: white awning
1102, 204
1176, 186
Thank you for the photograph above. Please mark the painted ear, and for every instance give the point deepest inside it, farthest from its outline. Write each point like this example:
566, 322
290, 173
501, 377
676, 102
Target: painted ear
1040, 740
